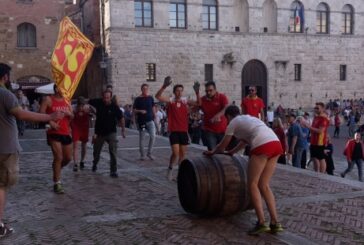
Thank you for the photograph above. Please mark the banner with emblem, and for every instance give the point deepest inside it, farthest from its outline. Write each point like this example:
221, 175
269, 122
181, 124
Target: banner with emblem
71, 54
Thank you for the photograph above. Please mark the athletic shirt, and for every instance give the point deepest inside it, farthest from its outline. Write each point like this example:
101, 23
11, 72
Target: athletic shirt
80, 121
177, 115
252, 106
251, 130
210, 108
319, 138
64, 123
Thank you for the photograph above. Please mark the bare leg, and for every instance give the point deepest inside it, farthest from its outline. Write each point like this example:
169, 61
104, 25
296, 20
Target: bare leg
67, 154
83, 151
182, 153
323, 166
255, 168
174, 155
57, 160
265, 188
75, 151
316, 164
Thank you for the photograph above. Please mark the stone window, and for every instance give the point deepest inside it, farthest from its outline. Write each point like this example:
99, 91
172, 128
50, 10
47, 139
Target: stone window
143, 10
347, 20
177, 14
151, 67
209, 15
27, 36
342, 72
297, 18
322, 18
297, 72
209, 72
269, 16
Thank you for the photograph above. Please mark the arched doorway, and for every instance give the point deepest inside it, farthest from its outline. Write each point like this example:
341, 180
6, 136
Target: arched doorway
255, 74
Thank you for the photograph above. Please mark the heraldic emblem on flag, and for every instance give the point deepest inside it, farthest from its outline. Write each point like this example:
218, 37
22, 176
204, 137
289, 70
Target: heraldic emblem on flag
70, 57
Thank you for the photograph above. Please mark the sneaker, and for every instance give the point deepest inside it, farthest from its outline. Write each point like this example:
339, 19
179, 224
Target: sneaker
342, 175
75, 168
5, 230
114, 175
258, 228
82, 165
170, 174
277, 227
58, 189
150, 156
94, 168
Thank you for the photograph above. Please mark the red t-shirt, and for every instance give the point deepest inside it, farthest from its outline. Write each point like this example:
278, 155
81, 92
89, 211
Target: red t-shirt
210, 108
319, 138
64, 123
177, 115
252, 106
80, 122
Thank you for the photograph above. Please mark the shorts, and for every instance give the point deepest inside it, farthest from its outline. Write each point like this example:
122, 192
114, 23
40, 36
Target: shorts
178, 138
317, 151
9, 169
270, 149
80, 135
63, 139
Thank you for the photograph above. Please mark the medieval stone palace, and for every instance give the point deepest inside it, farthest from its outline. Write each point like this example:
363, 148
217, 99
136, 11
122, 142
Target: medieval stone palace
296, 52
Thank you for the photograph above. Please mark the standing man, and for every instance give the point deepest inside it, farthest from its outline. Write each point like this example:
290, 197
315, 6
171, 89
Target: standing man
318, 131
253, 105
58, 135
108, 115
177, 111
354, 152
296, 144
144, 111
10, 110
213, 105
24, 103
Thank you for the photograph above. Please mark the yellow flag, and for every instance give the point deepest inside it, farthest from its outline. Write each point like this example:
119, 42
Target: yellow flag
70, 57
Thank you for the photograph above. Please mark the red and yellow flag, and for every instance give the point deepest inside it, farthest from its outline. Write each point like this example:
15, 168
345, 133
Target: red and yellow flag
70, 57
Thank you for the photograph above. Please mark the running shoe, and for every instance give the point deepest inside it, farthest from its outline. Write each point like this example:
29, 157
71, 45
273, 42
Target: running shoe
75, 168
58, 189
275, 228
82, 165
258, 229
94, 168
5, 230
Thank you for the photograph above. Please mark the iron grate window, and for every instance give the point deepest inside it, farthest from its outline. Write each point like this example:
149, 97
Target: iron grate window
209, 72
151, 67
342, 72
297, 72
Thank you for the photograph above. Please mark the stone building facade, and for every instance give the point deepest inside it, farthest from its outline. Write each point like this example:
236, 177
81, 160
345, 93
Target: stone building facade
296, 52
28, 33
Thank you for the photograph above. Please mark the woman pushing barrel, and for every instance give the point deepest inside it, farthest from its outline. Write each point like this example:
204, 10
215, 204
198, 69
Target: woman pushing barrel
265, 150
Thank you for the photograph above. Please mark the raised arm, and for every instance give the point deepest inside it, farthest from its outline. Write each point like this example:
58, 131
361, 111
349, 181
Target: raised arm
158, 95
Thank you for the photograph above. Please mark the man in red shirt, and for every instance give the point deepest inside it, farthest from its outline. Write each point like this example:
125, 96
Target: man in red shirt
253, 105
318, 130
177, 111
213, 105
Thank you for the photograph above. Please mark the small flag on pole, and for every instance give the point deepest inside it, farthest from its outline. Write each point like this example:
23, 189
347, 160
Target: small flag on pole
70, 57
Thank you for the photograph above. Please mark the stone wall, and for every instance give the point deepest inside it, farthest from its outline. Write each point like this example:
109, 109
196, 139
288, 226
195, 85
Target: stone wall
45, 16
183, 53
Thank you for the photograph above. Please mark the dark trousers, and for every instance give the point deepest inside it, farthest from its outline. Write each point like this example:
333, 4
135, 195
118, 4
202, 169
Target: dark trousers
337, 131
211, 139
358, 162
99, 142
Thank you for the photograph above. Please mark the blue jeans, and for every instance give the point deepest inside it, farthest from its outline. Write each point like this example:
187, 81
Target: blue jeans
150, 128
297, 157
211, 139
358, 162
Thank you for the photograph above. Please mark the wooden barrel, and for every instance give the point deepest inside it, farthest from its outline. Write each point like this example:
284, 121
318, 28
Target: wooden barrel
214, 186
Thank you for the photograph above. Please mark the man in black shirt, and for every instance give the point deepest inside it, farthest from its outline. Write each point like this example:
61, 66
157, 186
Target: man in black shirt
108, 115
